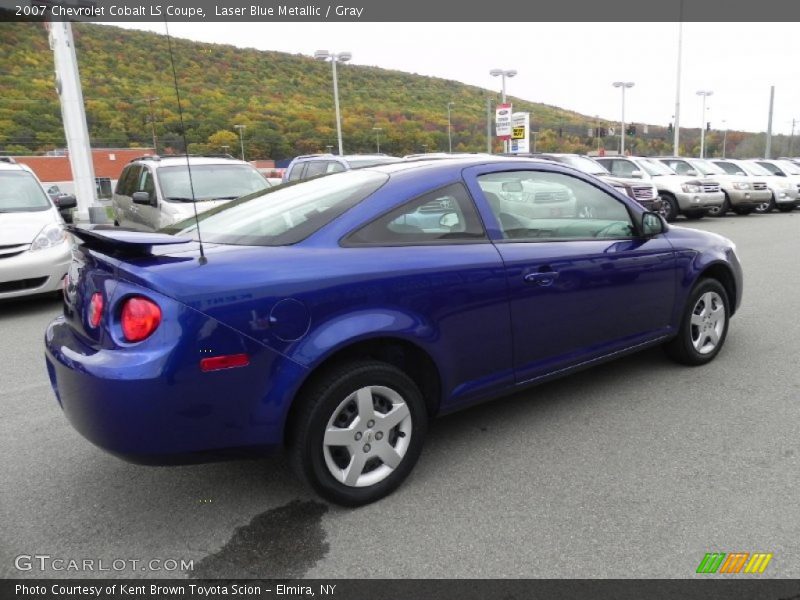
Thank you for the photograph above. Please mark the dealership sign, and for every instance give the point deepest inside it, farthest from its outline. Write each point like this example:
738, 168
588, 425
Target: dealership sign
502, 121
520, 132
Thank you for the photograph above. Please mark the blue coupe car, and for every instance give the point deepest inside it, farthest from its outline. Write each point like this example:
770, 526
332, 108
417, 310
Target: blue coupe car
336, 316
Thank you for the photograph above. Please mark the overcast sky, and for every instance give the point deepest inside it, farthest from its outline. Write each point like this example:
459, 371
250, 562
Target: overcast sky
570, 65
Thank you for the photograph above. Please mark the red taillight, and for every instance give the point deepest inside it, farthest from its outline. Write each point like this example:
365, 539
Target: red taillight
140, 318
95, 309
228, 361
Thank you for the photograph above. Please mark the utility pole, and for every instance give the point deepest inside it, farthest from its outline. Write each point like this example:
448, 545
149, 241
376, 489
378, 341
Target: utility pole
791, 140
768, 149
153, 121
676, 147
489, 125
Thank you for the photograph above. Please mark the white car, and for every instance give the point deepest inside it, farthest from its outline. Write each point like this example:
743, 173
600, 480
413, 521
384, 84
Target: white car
785, 195
154, 192
35, 249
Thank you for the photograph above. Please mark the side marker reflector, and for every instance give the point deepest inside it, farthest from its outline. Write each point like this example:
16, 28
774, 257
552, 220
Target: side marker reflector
228, 361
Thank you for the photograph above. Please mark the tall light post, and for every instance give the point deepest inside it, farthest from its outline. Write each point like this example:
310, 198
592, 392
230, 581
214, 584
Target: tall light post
705, 94
377, 131
503, 73
450, 105
335, 57
724, 137
623, 85
791, 138
241, 129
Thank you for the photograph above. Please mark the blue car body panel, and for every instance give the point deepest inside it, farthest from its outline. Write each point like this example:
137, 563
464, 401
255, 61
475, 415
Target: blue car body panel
471, 308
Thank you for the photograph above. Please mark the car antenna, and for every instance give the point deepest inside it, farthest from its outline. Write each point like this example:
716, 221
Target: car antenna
203, 260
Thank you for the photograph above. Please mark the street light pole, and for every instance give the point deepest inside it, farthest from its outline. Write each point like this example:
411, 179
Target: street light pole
705, 94
724, 137
503, 74
623, 85
791, 139
241, 129
449, 134
377, 131
335, 57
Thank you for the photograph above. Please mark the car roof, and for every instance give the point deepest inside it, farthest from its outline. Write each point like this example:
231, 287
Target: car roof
172, 161
454, 163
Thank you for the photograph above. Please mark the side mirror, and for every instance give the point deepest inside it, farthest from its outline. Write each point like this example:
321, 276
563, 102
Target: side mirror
143, 198
512, 186
448, 220
691, 173
637, 174
652, 224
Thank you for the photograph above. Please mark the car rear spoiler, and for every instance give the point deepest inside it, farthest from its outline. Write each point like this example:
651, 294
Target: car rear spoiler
113, 240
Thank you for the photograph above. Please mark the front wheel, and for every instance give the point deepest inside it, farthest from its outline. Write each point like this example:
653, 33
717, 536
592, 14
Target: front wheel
669, 207
704, 325
722, 209
766, 207
359, 432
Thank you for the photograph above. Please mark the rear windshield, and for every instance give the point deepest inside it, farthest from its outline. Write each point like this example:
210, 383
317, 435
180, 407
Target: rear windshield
209, 182
20, 192
283, 215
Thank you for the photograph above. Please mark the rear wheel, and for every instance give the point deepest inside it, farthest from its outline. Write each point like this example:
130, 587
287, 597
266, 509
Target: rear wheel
669, 207
359, 432
704, 325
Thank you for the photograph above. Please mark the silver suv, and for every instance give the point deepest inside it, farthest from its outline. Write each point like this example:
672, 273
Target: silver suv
783, 192
690, 196
743, 193
154, 192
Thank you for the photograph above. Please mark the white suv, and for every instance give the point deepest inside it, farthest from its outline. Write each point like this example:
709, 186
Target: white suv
154, 192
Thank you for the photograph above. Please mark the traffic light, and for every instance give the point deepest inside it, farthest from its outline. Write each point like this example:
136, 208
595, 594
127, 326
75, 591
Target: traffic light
630, 130
708, 126
669, 128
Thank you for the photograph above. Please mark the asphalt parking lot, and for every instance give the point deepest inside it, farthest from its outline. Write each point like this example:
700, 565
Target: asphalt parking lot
632, 469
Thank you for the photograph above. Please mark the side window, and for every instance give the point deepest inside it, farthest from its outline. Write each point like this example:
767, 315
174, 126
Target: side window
146, 182
535, 205
334, 167
681, 167
315, 167
128, 179
444, 215
730, 168
623, 168
771, 168
296, 172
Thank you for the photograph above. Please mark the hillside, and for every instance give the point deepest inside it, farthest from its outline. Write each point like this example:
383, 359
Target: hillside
285, 101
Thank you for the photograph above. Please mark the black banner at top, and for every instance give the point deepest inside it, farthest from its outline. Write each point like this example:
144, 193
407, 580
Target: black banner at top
496, 11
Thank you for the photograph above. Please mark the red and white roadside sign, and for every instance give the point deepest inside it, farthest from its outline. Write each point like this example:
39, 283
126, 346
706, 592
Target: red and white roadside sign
502, 121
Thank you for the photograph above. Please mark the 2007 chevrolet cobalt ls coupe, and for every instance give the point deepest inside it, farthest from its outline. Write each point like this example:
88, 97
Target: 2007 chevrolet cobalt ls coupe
337, 315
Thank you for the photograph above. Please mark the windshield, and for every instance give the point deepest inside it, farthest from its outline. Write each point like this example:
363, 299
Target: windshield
655, 167
20, 192
789, 167
754, 168
209, 182
285, 214
587, 165
707, 168
371, 162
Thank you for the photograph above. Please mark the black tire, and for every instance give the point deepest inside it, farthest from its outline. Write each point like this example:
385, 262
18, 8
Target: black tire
786, 207
682, 348
766, 206
740, 210
669, 207
695, 215
323, 400
722, 209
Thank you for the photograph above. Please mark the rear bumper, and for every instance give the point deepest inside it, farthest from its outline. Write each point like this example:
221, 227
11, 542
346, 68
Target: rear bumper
154, 405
